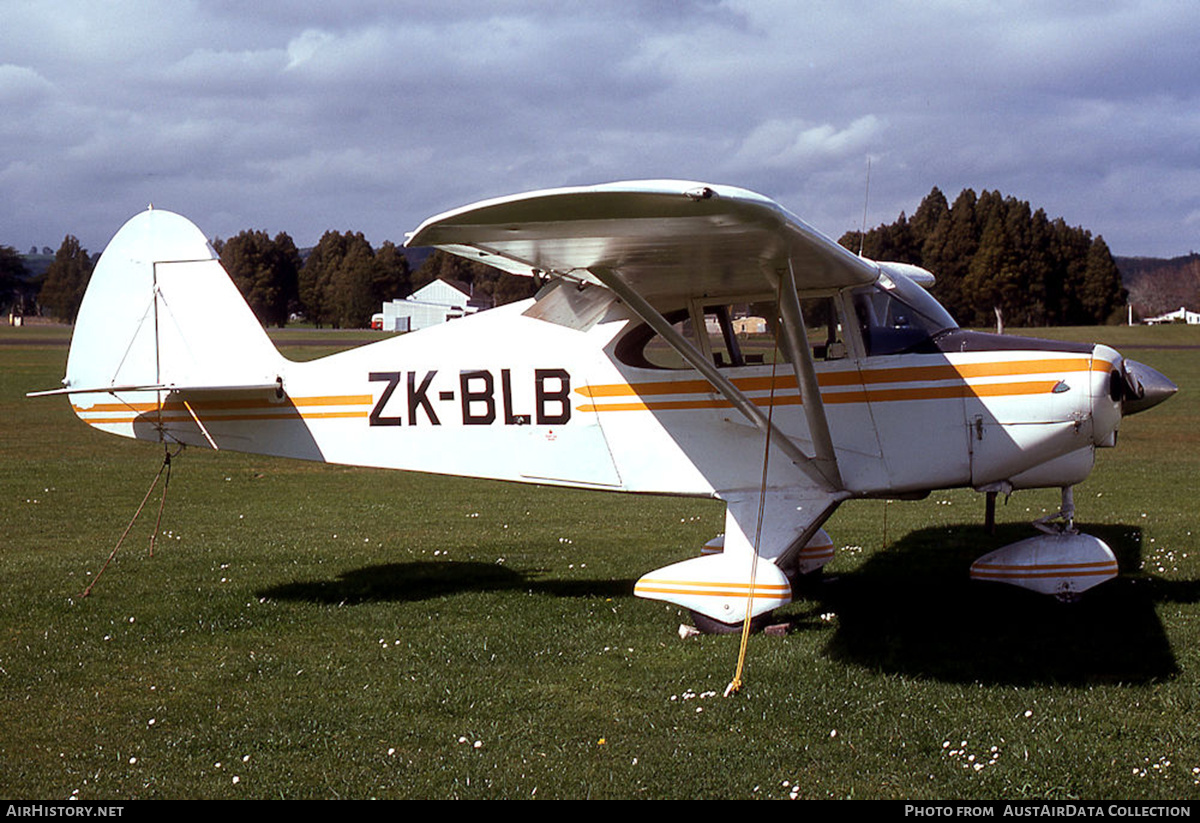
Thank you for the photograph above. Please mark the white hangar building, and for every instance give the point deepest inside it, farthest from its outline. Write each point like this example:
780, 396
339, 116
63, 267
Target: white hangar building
429, 305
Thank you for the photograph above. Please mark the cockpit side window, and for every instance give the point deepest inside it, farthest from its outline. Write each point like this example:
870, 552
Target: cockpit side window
733, 335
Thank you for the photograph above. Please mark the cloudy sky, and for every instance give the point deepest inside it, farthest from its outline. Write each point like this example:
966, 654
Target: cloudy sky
307, 115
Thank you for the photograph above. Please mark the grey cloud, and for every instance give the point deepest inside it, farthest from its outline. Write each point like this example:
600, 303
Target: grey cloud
373, 115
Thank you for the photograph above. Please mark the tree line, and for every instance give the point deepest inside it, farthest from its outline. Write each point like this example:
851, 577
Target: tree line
993, 256
996, 258
339, 283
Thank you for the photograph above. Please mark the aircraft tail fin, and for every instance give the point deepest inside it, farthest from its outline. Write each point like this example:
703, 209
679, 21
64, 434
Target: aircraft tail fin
161, 314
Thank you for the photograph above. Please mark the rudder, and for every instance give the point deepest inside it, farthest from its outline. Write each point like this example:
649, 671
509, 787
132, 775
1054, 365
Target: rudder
161, 314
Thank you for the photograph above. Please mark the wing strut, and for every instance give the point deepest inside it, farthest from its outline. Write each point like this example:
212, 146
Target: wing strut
642, 308
796, 339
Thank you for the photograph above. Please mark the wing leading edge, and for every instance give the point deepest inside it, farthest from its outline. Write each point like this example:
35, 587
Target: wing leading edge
666, 238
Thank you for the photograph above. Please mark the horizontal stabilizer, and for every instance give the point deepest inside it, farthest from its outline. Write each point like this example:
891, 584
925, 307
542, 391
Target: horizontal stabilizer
255, 387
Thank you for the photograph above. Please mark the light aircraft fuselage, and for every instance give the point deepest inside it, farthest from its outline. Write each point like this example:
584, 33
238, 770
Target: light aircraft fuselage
688, 340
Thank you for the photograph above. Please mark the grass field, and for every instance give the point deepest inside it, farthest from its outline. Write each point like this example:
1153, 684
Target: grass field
316, 631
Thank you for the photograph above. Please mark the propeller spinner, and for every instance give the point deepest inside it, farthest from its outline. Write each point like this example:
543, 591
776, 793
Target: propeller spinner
1140, 387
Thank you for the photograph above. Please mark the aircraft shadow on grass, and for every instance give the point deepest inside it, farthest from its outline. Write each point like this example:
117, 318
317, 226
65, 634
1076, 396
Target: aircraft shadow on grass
913, 609
424, 580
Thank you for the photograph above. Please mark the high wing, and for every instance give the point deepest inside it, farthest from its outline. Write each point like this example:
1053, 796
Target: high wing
666, 238
662, 241
657, 245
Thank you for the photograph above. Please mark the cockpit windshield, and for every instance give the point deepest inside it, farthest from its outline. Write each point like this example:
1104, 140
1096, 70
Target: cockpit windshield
896, 315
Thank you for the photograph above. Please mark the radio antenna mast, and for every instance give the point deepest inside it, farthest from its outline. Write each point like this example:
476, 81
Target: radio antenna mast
862, 236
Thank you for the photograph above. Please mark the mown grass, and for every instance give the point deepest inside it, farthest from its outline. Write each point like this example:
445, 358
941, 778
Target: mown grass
316, 631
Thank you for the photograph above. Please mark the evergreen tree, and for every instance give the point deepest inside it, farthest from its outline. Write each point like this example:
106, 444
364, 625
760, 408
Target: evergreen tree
345, 281
316, 278
993, 253
954, 256
12, 275
994, 277
354, 300
1101, 293
893, 243
1069, 251
989, 204
855, 241
393, 277
66, 280
1041, 269
928, 216
266, 271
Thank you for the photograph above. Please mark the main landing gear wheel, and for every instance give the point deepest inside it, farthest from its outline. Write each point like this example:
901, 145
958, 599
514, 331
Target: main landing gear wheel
709, 625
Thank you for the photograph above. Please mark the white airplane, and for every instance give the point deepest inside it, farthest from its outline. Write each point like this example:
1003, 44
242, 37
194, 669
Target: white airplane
688, 339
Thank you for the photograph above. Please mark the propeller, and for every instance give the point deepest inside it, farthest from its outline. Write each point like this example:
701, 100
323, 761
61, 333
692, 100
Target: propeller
1140, 387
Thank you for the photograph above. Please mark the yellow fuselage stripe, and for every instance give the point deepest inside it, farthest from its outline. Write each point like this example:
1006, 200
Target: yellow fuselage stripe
861, 396
996, 571
218, 410
852, 377
705, 589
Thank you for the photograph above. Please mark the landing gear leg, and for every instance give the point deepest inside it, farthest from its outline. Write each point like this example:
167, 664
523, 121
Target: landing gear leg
1066, 514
